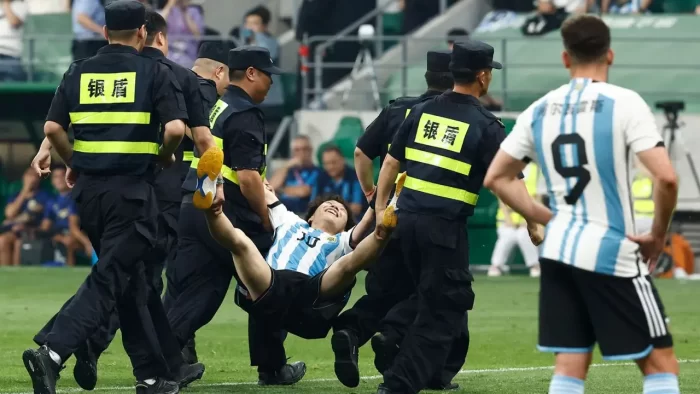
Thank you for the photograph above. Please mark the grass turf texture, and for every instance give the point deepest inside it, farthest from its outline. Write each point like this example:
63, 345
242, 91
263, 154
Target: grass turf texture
502, 357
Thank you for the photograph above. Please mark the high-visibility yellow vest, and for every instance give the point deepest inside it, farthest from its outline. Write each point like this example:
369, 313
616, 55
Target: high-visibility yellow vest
642, 194
531, 173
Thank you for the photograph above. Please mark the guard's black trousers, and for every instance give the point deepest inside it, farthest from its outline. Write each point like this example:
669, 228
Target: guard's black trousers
436, 254
197, 282
120, 216
390, 307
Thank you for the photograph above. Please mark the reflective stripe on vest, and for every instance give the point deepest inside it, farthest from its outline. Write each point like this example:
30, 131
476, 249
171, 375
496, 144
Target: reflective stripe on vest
226, 171
642, 193
187, 155
110, 117
440, 190
116, 147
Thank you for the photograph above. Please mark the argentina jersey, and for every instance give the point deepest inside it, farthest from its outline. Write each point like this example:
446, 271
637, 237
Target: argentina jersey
302, 248
582, 136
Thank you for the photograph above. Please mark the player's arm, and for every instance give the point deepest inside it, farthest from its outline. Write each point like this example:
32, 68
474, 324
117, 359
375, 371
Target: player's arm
505, 169
58, 121
643, 138
361, 228
392, 162
170, 106
367, 149
246, 146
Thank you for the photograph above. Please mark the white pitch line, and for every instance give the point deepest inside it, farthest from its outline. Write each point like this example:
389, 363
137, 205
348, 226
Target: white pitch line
374, 377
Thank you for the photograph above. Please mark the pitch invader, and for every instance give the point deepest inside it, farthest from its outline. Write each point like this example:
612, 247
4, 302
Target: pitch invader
595, 286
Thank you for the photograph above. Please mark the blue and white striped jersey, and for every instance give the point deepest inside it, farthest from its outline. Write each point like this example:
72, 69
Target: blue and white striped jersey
302, 248
582, 136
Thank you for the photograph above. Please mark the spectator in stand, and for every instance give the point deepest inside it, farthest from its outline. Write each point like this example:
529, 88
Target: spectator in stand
551, 14
61, 219
297, 179
625, 6
340, 179
185, 26
255, 32
12, 15
88, 20
23, 213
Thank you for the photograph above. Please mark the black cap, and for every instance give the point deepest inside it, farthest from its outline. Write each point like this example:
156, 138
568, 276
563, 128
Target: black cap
439, 61
214, 50
251, 56
125, 15
471, 56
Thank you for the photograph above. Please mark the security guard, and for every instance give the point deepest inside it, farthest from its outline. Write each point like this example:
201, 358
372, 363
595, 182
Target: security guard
447, 145
168, 183
512, 231
116, 102
354, 327
212, 68
643, 200
237, 125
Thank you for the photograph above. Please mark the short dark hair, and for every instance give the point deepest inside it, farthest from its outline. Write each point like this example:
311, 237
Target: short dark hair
332, 148
586, 38
464, 78
455, 34
313, 206
439, 80
262, 12
121, 35
235, 75
155, 23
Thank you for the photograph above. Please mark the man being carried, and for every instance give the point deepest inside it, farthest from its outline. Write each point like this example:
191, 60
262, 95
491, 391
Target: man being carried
311, 267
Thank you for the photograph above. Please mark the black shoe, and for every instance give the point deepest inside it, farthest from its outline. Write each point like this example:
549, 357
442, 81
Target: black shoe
85, 369
288, 374
442, 387
382, 389
385, 351
189, 373
344, 344
42, 369
161, 386
189, 353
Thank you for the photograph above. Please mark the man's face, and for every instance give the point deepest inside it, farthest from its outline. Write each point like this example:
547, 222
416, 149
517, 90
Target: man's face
58, 180
450, 45
261, 85
332, 212
301, 150
333, 163
254, 23
221, 80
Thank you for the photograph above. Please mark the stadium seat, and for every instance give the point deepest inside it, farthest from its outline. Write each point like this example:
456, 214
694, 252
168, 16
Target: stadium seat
679, 6
349, 127
392, 23
48, 58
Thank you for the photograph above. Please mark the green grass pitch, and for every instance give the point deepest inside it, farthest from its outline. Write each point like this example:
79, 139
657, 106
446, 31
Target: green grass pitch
502, 357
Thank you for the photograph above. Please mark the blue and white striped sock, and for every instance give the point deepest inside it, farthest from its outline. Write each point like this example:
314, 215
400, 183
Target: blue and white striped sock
565, 385
661, 383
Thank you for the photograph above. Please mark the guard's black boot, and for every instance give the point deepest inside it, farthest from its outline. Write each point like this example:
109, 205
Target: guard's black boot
382, 389
385, 351
288, 374
189, 353
189, 373
42, 370
161, 386
85, 369
344, 344
442, 387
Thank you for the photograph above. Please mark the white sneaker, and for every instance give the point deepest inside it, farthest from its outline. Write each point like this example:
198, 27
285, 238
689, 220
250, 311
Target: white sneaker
535, 272
494, 272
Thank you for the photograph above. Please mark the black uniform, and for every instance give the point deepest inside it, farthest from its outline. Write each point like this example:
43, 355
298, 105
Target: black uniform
447, 145
199, 289
116, 102
387, 298
168, 183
